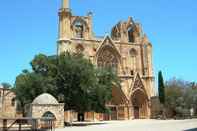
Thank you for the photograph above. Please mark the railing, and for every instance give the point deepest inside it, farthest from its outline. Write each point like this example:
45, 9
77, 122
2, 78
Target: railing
26, 124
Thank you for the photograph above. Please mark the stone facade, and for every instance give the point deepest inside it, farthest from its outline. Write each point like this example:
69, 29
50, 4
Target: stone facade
7, 103
127, 50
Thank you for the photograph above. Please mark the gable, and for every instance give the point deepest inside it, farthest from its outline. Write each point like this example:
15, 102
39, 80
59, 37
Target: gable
137, 85
107, 42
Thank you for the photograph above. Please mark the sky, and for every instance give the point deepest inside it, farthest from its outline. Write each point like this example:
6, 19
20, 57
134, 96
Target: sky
29, 27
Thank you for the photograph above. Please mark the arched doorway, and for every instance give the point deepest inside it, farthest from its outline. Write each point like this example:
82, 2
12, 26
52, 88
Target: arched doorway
48, 114
45, 123
80, 117
139, 101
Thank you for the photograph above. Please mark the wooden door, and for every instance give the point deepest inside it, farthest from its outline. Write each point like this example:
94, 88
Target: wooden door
114, 113
136, 112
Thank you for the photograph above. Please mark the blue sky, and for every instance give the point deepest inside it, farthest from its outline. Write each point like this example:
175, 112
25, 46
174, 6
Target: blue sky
29, 27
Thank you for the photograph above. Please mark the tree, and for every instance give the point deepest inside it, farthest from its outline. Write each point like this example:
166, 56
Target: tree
28, 85
180, 97
6, 85
161, 88
85, 87
174, 100
71, 78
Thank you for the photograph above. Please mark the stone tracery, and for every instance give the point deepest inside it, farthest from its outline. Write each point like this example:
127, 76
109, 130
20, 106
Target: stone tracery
107, 58
79, 26
79, 29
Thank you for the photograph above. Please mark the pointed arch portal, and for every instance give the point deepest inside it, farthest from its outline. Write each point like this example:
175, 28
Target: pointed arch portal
140, 104
139, 99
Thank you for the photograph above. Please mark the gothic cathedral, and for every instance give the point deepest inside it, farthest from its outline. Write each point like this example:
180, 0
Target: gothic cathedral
127, 49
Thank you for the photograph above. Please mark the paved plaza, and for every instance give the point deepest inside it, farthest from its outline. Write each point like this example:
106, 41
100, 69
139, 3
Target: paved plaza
137, 125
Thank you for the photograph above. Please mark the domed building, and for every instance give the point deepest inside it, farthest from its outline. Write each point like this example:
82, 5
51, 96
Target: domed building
45, 105
45, 99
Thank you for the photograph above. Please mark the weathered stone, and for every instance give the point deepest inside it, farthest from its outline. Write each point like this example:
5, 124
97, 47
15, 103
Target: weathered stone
7, 103
127, 50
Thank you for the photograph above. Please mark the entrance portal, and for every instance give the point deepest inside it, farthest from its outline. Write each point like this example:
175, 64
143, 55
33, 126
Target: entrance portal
80, 117
140, 104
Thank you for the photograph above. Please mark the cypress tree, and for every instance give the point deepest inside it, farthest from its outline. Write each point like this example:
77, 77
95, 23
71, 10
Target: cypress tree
161, 88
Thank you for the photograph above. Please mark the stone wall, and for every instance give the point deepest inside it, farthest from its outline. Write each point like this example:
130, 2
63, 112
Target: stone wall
7, 103
156, 107
38, 111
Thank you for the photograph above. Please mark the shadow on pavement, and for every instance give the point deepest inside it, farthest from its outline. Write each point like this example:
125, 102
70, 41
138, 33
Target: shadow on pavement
83, 124
194, 129
1, 129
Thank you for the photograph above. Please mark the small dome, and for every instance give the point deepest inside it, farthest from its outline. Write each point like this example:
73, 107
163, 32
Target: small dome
45, 99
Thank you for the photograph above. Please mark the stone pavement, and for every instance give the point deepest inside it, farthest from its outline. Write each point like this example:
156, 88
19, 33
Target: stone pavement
137, 125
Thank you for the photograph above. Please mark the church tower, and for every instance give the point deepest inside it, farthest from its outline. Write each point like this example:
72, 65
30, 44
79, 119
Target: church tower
72, 28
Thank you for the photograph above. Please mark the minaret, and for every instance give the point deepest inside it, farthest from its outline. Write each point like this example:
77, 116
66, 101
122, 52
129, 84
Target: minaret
65, 4
64, 27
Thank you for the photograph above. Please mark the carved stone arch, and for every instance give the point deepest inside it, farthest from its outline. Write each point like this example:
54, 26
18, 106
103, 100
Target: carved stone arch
79, 27
108, 42
130, 26
133, 52
137, 85
49, 114
140, 104
143, 93
139, 99
107, 55
79, 48
80, 20
108, 58
131, 33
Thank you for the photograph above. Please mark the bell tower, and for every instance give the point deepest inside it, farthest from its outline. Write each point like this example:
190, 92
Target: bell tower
64, 35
